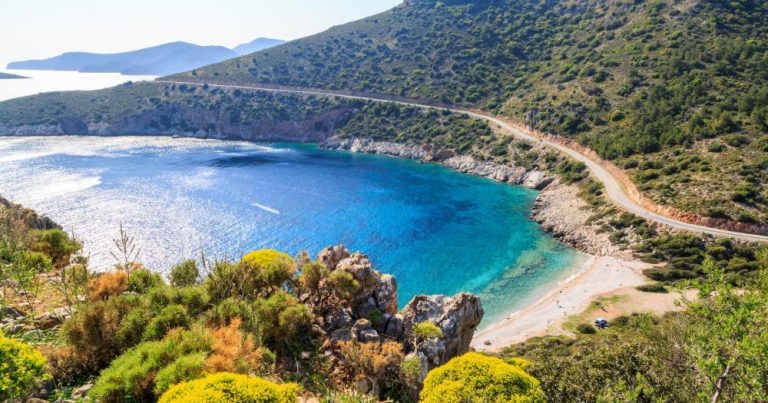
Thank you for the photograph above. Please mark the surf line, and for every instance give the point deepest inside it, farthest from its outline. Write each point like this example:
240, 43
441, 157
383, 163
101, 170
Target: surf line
266, 208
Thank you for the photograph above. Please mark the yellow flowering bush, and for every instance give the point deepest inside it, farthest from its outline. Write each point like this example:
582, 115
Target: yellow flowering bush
475, 377
20, 367
225, 387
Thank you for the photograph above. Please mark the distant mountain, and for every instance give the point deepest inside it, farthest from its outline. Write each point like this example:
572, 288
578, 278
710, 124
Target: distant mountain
159, 60
9, 76
257, 45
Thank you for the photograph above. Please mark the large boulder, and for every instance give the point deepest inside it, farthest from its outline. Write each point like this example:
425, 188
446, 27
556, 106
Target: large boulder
457, 318
377, 290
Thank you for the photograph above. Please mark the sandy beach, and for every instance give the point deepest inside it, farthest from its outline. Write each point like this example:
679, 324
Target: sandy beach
600, 276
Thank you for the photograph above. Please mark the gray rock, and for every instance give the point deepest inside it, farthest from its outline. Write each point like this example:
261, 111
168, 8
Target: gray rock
367, 336
331, 256
82, 391
457, 318
338, 318
394, 328
340, 335
12, 312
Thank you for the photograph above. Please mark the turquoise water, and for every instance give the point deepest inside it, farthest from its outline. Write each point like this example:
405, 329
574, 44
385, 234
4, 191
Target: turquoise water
437, 231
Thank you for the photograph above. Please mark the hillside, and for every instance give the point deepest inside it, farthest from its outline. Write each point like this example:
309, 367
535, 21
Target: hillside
673, 92
158, 60
256, 45
681, 83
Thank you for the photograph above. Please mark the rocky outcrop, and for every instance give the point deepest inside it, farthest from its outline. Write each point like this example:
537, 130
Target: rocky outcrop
561, 211
503, 173
28, 216
457, 318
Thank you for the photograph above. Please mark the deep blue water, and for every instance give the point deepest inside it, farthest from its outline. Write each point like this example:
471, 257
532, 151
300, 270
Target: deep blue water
437, 231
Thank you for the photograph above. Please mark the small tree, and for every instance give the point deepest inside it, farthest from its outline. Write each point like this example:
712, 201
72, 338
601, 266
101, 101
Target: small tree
184, 274
126, 251
727, 339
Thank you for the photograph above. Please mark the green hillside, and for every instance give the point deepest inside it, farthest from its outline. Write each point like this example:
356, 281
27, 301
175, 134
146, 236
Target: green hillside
675, 92
624, 77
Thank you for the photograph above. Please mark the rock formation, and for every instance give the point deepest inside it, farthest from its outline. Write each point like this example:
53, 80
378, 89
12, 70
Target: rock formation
502, 173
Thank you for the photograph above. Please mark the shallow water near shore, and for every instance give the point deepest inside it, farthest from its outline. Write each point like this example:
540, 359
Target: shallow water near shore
436, 230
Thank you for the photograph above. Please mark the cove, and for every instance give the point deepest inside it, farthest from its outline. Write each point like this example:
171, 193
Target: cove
437, 231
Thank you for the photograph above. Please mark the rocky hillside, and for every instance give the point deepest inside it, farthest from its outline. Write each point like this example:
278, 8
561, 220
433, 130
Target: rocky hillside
672, 91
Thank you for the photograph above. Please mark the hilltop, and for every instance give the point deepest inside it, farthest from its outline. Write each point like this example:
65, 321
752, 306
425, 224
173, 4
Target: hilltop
257, 45
672, 92
158, 60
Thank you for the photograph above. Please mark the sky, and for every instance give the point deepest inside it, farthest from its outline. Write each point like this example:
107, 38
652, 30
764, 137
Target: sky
33, 29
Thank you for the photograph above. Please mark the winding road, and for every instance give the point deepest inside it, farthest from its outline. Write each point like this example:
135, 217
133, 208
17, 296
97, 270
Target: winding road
614, 189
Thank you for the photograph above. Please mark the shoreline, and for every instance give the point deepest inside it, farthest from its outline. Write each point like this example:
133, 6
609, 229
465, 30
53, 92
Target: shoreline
598, 276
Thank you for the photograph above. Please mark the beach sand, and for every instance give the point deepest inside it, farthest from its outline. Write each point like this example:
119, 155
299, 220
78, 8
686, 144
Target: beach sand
605, 278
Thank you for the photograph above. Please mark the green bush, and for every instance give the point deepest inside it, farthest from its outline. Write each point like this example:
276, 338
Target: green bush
586, 328
475, 377
659, 288
194, 299
21, 367
170, 317
94, 330
226, 387
426, 331
185, 274
184, 368
281, 318
56, 244
134, 375
142, 280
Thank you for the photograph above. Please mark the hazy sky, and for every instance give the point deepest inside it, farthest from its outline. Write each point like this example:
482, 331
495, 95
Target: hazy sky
42, 28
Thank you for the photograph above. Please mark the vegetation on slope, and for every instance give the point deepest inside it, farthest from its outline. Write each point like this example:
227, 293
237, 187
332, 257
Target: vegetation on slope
623, 77
713, 351
673, 91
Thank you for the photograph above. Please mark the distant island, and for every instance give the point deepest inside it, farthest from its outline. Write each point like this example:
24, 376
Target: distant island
4, 76
257, 45
159, 60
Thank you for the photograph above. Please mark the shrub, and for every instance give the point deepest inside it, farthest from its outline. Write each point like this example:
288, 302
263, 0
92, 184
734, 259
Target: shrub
716, 148
475, 377
107, 285
21, 367
63, 364
143, 280
134, 375
411, 369
233, 351
56, 244
226, 311
224, 386
372, 359
170, 317
93, 331
195, 299
281, 318
187, 367
343, 283
659, 288
426, 331
267, 270
586, 328
184, 274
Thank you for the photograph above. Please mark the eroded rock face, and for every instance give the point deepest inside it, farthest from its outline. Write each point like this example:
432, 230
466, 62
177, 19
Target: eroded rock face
457, 318
503, 173
376, 291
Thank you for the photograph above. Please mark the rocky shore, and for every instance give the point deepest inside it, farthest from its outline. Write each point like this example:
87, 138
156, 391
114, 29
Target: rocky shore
560, 211
533, 179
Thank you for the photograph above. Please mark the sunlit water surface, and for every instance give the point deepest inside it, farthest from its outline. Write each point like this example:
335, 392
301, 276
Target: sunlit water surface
38, 81
436, 230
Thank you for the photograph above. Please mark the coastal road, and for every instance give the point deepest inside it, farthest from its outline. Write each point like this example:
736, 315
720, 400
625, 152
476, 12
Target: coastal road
614, 189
